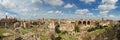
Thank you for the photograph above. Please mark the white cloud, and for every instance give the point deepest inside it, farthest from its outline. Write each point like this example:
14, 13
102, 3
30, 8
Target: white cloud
104, 13
58, 12
20, 8
36, 9
107, 5
111, 16
85, 14
82, 11
88, 1
109, 2
69, 6
50, 12
36, 1
2, 14
24, 10
55, 12
7, 3
54, 2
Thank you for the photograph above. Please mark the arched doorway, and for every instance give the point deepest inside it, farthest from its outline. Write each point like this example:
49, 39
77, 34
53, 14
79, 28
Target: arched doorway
84, 22
79, 22
88, 22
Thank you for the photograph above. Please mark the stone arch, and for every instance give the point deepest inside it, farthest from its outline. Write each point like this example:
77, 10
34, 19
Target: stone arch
84, 22
79, 22
88, 22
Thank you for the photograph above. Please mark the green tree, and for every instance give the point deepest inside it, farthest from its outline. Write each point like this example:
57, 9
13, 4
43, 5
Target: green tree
76, 29
57, 29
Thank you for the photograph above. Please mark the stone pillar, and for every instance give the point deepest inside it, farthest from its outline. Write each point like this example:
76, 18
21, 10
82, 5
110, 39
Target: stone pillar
86, 23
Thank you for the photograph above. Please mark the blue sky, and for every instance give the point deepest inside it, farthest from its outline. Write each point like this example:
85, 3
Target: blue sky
61, 9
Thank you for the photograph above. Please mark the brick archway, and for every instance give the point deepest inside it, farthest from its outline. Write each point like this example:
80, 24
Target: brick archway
80, 22
88, 22
84, 22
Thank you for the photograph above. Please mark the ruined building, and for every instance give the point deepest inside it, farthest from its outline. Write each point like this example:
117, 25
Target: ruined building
5, 22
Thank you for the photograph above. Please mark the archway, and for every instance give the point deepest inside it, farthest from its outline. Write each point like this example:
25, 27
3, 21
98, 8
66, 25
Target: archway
84, 22
88, 22
79, 22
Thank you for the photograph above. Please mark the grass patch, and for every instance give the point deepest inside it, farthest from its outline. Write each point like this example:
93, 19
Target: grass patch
98, 31
109, 28
3, 31
44, 38
24, 31
71, 38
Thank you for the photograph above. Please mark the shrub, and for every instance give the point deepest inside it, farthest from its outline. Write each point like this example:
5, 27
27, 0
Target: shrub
77, 29
58, 38
91, 29
64, 32
57, 29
